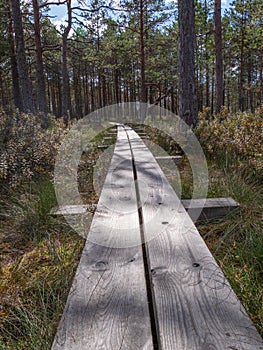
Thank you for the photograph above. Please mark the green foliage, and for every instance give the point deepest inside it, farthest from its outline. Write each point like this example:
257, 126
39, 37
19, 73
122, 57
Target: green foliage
39, 255
236, 241
234, 144
238, 136
26, 148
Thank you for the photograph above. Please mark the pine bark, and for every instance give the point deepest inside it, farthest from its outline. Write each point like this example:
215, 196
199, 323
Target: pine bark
186, 63
241, 100
26, 94
65, 76
219, 58
142, 52
41, 86
14, 70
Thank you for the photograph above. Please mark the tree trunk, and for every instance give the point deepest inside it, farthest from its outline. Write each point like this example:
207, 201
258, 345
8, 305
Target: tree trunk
207, 86
186, 63
116, 85
86, 92
261, 77
26, 94
241, 67
41, 88
142, 52
14, 71
213, 92
250, 90
219, 58
65, 76
207, 77
77, 92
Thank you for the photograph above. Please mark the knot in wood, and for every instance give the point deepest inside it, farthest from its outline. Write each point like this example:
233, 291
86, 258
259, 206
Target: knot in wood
100, 265
196, 264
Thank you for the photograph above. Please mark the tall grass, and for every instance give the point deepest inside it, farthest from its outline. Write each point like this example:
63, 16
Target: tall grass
236, 241
40, 255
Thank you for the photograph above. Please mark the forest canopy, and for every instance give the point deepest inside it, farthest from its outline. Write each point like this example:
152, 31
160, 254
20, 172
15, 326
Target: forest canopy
112, 52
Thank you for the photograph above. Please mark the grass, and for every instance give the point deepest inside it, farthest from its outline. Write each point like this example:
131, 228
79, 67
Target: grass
38, 260
236, 242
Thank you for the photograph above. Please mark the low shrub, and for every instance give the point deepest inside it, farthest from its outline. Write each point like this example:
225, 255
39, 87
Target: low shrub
26, 149
239, 136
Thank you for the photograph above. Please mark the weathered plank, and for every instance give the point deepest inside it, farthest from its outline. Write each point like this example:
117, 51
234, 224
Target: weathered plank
103, 146
195, 307
106, 138
212, 208
71, 209
107, 305
176, 159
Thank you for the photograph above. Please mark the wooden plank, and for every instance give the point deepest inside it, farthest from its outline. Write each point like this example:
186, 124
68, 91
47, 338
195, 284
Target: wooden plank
176, 159
195, 307
107, 305
71, 209
212, 207
103, 146
107, 138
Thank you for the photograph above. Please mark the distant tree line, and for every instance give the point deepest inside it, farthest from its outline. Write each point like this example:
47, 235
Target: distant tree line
133, 52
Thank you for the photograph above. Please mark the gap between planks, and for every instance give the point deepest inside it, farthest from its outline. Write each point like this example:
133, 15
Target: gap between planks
107, 307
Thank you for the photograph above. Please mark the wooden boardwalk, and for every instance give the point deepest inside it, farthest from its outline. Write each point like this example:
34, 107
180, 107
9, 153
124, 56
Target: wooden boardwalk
146, 279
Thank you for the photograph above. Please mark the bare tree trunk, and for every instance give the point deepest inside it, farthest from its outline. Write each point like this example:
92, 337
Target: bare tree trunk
14, 71
26, 94
241, 67
250, 90
186, 63
77, 91
41, 86
213, 92
116, 85
142, 52
261, 78
207, 77
219, 58
65, 76
207, 86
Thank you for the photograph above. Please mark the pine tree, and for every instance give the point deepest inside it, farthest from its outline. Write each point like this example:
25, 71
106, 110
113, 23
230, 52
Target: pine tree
26, 93
186, 62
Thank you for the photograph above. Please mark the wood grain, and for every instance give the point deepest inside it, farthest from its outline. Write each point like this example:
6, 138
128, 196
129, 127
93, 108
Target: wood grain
196, 308
107, 304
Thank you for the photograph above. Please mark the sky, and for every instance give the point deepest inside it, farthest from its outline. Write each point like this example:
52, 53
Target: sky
58, 12
225, 4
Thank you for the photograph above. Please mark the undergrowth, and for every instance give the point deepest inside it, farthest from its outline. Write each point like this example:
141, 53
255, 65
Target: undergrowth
236, 241
38, 260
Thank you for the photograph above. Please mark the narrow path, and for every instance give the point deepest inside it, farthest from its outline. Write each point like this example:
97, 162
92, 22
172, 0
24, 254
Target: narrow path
146, 280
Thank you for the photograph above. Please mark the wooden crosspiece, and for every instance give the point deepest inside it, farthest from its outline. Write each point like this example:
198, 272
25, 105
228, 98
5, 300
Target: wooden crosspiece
212, 208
